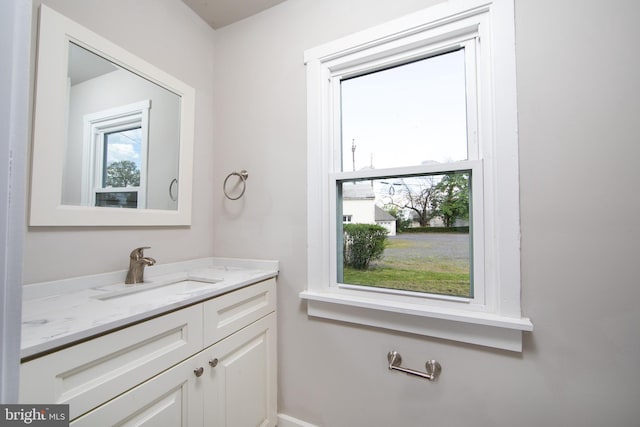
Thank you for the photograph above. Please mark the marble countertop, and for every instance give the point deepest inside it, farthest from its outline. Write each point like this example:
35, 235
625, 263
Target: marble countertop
55, 314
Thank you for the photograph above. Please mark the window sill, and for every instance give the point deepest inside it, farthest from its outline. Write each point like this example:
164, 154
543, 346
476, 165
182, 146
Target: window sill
483, 329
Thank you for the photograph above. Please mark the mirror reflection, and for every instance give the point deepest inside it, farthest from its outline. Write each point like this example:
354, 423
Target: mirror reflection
123, 133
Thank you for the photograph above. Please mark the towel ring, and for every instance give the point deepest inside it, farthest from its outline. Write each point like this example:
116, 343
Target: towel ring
171, 196
243, 175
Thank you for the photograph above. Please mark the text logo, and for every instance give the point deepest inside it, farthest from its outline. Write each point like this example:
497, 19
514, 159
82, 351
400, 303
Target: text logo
34, 415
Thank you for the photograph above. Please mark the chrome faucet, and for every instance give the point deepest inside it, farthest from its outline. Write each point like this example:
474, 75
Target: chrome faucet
137, 263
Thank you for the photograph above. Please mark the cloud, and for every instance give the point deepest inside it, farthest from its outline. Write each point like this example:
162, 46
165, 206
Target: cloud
124, 146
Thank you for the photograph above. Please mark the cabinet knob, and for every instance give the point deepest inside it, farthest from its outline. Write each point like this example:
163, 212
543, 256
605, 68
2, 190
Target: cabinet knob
213, 362
199, 371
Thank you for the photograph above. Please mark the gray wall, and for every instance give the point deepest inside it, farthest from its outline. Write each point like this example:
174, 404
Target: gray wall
170, 36
578, 106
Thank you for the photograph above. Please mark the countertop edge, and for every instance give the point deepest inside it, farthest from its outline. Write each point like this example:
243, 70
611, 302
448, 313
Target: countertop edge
54, 287
268, 270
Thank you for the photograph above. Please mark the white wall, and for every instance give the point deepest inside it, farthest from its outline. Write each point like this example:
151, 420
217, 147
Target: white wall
361, 210
578, 106
167, 34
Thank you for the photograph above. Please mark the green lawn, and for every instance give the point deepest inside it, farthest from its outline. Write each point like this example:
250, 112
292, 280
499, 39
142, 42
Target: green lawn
429, 263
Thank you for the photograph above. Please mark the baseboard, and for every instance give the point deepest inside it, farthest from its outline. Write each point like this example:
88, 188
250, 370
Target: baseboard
288, 421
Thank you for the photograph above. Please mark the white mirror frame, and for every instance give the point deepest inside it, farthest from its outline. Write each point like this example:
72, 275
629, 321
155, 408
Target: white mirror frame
50, 130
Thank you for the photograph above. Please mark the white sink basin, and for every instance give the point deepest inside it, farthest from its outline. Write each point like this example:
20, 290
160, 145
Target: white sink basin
187, 285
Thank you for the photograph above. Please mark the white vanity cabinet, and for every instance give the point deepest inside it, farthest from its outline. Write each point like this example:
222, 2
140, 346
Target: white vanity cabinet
209, 364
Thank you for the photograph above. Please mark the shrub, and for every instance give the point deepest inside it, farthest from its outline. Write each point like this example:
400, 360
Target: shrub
363, 243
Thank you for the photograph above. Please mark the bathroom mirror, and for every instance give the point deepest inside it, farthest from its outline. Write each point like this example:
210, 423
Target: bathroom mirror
112, 137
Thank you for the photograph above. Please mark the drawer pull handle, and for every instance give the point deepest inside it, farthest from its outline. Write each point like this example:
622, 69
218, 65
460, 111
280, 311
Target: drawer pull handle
199, 371
213, 362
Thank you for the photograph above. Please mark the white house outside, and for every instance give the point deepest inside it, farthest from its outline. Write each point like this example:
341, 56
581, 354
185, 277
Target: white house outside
359, 206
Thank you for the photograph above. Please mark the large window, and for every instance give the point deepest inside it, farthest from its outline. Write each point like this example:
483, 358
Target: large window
415, 120
409, 115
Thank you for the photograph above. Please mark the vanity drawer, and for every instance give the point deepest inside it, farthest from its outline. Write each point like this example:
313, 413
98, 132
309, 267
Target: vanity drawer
90, 373
231, 312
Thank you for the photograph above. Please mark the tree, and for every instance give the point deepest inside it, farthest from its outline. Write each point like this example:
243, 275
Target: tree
124, 173
417, 194
451, 201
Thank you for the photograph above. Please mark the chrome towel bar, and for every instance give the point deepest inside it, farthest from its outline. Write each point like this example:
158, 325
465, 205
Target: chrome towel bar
433, 368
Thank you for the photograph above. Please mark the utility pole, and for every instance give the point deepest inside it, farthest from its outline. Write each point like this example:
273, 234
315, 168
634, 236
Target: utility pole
353, 153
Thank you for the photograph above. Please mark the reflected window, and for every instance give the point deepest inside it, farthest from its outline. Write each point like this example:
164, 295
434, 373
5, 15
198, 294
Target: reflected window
117, 143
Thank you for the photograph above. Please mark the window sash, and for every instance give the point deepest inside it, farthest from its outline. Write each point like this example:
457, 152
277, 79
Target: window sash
476, 215
468, 42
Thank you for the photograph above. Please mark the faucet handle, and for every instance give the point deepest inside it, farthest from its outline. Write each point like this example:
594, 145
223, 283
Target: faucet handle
138, 253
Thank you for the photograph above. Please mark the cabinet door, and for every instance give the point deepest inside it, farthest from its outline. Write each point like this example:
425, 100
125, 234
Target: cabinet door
171, 399
241, 388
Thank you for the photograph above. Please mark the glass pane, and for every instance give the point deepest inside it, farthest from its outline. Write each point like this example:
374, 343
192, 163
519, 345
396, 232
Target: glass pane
407, 115
407, 233
121, 160
123, 199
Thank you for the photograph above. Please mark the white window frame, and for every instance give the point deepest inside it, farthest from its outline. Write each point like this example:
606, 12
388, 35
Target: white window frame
486, 30
95, 127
